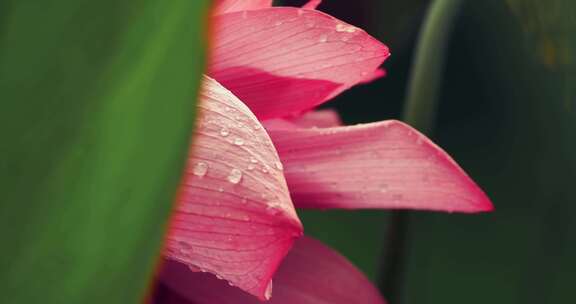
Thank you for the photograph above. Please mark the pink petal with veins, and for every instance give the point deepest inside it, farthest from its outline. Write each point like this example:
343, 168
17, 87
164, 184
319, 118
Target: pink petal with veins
228, 6
378, 165
234, 217
312, 273
284, 60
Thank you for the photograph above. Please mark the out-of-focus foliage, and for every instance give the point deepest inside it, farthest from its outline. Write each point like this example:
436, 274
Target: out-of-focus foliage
507, 113
97, 107
509, 116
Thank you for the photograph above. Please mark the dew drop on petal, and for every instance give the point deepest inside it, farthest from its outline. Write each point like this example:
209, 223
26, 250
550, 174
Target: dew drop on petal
268, 292
200, 169
279, 166
184, 245
419, 141
238, 141
383, 188
194, 268
224, 131
235, 176
253, 160
323, 38
273, 208
341, 27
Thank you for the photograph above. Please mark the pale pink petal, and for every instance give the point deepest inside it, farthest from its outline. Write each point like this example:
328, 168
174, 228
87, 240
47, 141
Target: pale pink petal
228, 6
312, 4
234, 217
285, 60
324, 118
379, 73
378, 165
312, 273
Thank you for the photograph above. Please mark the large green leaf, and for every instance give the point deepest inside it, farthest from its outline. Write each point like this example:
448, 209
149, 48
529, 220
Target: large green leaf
97, 104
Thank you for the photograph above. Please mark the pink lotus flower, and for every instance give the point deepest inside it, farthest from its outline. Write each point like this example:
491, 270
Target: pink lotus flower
259, 152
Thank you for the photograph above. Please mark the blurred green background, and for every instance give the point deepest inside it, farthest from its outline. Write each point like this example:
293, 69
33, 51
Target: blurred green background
507, 114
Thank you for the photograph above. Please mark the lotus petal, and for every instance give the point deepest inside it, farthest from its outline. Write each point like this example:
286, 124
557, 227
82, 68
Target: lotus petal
234, 217
324, 118
312, 273
286, 60
312, 4
377, 165
228, 6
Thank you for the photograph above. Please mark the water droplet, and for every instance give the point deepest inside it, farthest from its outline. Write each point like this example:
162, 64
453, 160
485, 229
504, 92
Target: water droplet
253, 160
278, 23
235, 176
384, 188
419, 141
200, 169
224, 131
279, 166
256, 127
184, 245
220, 189
273, 208
195, 268
238, 141
251, 167
265, 169
268, 292
341, 27
323, 38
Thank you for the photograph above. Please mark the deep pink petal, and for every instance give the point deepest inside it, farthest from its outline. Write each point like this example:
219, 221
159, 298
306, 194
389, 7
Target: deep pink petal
378, 165
285, 60
228, 6
312, 273
234, 217
312, 4
324, 118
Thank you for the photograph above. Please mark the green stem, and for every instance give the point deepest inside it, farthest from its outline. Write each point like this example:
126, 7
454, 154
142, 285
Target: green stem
428, 66
420, 108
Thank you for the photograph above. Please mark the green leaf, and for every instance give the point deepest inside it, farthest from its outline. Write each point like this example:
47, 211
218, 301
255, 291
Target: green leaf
98, 101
